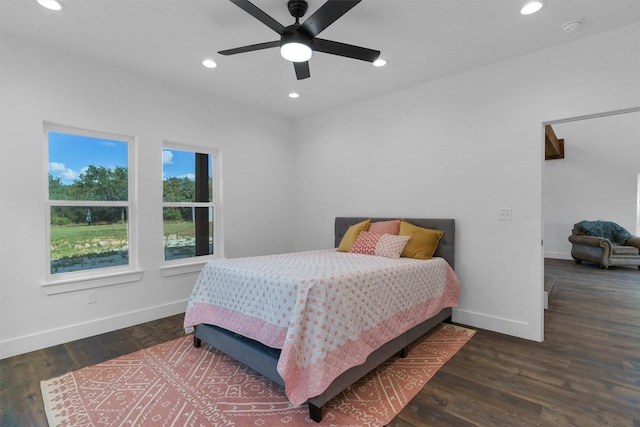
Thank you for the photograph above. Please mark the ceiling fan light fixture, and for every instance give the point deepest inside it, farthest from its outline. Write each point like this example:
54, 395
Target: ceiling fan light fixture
299, 40
295, 51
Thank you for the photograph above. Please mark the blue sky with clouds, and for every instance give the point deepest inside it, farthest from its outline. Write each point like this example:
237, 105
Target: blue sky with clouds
178, 163
70, 155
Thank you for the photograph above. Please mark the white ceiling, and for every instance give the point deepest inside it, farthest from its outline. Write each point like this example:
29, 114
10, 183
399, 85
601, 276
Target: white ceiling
422, 40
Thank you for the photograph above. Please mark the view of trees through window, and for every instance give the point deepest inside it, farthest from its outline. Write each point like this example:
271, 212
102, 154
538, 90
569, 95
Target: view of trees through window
88, 202
188, 206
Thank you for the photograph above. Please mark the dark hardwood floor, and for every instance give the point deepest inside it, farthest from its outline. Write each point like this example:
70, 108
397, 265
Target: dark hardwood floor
586, 373
20, 398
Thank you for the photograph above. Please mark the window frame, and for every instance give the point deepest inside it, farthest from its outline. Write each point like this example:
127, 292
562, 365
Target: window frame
103, 276
194, 264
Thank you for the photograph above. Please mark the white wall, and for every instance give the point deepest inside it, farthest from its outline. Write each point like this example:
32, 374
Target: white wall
462, 147
40, 84
597, 179
459, 147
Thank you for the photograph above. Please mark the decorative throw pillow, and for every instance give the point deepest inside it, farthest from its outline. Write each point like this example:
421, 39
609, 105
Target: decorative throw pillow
423, 242
391, 246
352, 234
365, 243
386, 245
382, 227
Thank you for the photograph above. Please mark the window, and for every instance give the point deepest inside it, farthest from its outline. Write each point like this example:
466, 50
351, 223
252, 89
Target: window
89, 203
189, 208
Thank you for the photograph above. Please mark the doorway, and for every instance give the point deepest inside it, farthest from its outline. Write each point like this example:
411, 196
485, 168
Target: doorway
599, 178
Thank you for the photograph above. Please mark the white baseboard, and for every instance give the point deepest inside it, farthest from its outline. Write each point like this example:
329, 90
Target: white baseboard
558, 255
497, 324
69, 333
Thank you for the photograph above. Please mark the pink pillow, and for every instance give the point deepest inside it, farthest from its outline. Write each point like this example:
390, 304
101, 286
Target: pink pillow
382, 227
365, 243
386, 245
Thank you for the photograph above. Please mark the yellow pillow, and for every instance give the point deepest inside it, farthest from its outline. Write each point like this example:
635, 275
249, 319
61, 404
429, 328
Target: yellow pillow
352, 234
423, 242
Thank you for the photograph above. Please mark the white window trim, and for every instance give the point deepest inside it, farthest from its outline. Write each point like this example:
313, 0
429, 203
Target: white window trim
191, 265
98, 281
98, 277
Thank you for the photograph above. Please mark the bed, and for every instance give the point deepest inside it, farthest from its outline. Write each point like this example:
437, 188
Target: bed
270, 346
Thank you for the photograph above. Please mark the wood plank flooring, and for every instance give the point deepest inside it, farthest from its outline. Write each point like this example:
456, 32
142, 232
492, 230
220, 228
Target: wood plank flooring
586, 373
20, 397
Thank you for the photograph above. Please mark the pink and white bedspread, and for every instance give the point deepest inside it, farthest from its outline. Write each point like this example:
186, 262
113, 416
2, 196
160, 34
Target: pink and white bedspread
326, 310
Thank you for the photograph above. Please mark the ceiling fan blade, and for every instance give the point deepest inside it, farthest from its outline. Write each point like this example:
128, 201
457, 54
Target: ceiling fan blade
250, 48
257, 13
347, 50
302, 70
327, 15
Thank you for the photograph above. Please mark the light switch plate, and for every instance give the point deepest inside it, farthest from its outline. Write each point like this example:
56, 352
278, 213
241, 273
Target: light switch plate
504, 214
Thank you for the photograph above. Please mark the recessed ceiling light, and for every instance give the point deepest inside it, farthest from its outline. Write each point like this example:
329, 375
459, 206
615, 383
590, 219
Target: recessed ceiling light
379, 62
294, 95
51, 4
531, 7
209, 63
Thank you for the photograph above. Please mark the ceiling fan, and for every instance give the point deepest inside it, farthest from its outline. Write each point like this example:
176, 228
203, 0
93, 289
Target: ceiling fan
298, 41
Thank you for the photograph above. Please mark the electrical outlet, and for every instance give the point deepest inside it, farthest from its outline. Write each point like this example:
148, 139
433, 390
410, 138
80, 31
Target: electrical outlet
91, 297
504, 214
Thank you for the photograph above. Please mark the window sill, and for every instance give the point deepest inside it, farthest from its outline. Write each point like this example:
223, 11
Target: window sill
79, 284
179, 269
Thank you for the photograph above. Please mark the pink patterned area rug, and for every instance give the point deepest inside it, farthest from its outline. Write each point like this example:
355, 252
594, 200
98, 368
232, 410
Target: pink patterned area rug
176, 384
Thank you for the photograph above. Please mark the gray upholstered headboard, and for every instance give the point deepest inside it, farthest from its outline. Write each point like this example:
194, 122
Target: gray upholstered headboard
446, 247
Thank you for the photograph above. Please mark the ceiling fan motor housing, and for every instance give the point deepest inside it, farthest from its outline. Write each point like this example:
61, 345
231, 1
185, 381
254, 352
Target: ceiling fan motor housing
297, 8
292, 34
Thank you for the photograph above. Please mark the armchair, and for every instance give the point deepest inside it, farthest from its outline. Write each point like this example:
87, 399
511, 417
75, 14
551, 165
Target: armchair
604, 243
